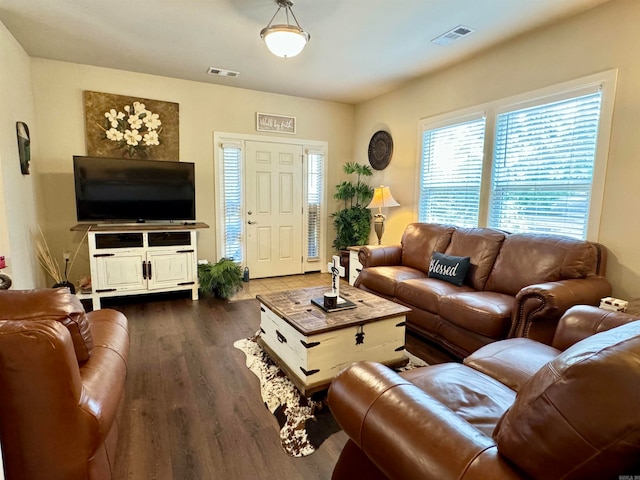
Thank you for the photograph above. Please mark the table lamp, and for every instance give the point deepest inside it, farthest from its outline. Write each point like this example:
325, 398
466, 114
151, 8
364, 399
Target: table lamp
382, 198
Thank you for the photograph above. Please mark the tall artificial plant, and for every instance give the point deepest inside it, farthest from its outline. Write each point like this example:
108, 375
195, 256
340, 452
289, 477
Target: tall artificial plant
353, 222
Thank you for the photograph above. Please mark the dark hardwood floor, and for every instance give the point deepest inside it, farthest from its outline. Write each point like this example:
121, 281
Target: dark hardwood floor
192, 410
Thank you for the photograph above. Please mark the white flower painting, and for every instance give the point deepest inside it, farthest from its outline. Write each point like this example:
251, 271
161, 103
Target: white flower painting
131, 127
136, 128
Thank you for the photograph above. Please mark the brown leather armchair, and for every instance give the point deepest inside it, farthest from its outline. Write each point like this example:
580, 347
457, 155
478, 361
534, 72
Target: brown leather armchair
516, 409
62, 376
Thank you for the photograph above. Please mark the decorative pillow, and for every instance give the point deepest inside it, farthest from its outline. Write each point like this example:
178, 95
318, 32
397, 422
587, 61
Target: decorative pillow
449, 268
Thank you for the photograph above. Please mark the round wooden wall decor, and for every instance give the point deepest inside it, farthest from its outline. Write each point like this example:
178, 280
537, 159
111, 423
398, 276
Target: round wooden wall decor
380, 150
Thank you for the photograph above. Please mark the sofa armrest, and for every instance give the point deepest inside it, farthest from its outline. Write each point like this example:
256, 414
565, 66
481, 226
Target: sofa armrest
538, 307
582, 321
378, 255
405, 432
103, 375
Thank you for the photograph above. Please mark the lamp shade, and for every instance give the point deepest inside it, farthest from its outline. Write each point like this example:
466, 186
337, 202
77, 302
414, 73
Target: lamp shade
284, 40
382, 198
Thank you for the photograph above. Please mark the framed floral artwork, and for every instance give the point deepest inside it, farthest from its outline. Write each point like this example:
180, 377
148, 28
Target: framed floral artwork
131, 127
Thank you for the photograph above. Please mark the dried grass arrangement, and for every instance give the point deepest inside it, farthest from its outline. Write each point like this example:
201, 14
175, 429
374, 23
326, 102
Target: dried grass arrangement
49, 262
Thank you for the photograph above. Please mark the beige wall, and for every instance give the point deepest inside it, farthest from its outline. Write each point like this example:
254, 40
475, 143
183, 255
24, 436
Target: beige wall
604, 38
17, 191
600, 39
204, 108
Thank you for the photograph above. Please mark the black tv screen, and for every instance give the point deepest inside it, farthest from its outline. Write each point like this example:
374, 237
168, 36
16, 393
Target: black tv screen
116, 189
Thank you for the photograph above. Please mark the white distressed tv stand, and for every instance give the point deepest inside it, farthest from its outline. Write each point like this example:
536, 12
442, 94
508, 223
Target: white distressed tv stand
134, 259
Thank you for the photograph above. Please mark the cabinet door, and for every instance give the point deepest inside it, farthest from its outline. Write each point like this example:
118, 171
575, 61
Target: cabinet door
121, 271
170, 268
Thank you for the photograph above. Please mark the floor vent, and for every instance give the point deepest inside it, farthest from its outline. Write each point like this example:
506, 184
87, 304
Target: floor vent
452, 35
222, 72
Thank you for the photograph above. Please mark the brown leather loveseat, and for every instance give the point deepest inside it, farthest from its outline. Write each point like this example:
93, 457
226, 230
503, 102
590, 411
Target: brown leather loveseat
516, 409
516, 285
62, 375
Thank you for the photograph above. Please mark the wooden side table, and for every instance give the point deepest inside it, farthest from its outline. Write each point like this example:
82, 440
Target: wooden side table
355, 267
633, 307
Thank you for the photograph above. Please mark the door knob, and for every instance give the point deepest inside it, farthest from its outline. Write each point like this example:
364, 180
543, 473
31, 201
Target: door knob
250, 222
250, 212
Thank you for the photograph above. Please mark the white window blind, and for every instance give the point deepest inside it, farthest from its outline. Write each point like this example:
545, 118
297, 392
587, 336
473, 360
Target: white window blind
315, 189
543, 167
232, 194
451, 173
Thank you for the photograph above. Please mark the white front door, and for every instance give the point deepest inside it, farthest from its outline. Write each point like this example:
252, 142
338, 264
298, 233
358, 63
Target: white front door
273, 201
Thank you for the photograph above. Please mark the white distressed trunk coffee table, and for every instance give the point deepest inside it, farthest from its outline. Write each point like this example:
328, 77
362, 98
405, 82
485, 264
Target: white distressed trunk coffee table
312, 346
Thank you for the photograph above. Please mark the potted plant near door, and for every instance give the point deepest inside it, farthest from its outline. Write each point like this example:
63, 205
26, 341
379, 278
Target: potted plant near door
353, 222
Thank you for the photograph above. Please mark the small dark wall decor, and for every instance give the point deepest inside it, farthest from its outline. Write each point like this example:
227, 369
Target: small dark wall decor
24, 146
380, 150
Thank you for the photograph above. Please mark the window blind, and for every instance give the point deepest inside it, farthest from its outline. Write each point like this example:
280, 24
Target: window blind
543, 167
451, 173
232, 185
315, 189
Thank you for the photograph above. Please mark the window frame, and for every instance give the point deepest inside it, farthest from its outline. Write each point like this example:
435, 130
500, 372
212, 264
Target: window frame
606, 80
220, 213
444, 121
322, 224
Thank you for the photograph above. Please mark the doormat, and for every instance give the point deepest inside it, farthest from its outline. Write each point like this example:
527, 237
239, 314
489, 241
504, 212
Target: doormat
305, 422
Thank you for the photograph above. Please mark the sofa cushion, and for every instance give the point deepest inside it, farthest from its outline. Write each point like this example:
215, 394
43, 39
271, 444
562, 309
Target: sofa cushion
512, 361
449, 268
384, 280
420, 240
578, 416
486, 313
425, 293
476, 397
527, 259
482, 245
50, 304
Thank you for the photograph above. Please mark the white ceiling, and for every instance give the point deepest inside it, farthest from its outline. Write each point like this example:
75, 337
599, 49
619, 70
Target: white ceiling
358, 48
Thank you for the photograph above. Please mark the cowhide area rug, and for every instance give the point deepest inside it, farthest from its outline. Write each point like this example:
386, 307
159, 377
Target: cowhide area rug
305, 422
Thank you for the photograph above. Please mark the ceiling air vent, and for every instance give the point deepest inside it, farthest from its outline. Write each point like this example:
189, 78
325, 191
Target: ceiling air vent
453, 35
222, 72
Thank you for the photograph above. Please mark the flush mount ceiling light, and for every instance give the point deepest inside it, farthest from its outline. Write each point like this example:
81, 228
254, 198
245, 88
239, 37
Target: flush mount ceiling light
285, 40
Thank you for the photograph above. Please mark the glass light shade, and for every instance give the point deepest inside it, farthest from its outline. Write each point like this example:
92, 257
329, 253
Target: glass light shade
284, 40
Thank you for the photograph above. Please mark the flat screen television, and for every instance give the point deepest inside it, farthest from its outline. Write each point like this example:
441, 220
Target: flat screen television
116, 189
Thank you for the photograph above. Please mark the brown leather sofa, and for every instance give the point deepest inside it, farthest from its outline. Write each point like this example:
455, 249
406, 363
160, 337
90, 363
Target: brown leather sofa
516, 409
517, 285
62, 376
